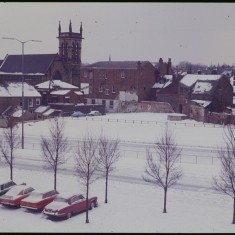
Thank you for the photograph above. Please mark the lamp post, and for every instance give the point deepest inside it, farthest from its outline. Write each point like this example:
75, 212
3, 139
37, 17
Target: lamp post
22, 118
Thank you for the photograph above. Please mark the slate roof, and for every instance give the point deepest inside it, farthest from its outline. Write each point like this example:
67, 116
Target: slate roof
116, 64
33, 64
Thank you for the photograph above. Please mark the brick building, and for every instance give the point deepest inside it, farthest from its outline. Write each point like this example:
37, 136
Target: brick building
119, 85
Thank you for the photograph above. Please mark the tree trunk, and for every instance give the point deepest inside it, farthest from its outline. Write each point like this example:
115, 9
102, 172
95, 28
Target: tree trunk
55, 172
165, 196
106, 187
87, 194
11, 171
11, 166
234, 210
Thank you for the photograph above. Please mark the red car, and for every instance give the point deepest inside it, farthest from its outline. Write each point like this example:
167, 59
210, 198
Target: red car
38, 200
15, 195
66, 205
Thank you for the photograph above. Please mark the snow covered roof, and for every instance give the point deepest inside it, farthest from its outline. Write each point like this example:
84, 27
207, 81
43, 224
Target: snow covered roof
50, 111
14, 89
60, 92
18, 113
55, 84
78, 92
203, 103
190, 79
41, 109
202, 87
168, 81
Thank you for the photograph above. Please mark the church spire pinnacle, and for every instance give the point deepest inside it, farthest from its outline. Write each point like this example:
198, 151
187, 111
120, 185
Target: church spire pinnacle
70, 27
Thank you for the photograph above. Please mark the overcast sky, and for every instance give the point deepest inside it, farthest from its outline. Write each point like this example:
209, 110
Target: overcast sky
195, 32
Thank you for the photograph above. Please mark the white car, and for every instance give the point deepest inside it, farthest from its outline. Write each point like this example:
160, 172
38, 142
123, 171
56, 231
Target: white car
94, 113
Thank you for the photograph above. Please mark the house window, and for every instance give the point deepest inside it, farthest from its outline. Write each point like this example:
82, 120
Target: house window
104, 102
66, 99
37, 101
106, 91
105, 76
90, 89
111, 104
122, 74
93, 101
85, 74
30, 102
113, 89
101, 88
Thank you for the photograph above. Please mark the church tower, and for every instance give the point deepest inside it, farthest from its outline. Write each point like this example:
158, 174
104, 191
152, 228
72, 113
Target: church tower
70, 45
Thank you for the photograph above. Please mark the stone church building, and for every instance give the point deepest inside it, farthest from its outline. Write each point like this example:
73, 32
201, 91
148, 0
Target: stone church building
64, 65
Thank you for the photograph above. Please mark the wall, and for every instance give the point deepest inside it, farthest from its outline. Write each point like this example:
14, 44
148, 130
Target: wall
155, 107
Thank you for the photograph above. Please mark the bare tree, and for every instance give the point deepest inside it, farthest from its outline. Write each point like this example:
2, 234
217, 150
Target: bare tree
225, 182
161, 167
54, 148
108, 156
86, 159
9, 143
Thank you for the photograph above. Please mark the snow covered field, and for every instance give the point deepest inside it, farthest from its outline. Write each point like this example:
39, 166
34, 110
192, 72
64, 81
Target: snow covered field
132, 206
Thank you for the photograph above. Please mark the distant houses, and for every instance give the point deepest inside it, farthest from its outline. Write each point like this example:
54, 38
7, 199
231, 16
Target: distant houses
58, 84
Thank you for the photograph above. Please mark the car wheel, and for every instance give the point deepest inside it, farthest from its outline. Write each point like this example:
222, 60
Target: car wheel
69, 215
92, 205
96, 204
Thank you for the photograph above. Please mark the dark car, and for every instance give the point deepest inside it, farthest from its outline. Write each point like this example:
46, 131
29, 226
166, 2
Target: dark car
78, 114
38, 200
4, 187
66, 205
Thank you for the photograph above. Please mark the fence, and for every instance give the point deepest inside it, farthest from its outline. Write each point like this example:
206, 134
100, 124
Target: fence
101, 119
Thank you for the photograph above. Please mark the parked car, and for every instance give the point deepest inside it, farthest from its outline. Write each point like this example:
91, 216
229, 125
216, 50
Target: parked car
6, 186
64, 206
38, 200
78, 114
15, 195
94, 113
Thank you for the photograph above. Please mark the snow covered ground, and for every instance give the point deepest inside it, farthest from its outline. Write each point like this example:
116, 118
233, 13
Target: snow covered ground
133, 206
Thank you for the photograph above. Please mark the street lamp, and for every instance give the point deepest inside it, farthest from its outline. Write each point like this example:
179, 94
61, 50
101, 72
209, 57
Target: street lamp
22, 118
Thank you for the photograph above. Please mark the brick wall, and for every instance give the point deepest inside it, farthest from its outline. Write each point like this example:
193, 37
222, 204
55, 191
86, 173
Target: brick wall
155, 107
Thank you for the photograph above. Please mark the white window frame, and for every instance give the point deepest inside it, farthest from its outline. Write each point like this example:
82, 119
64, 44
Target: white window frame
111, 105
113, 90
38, 101
123, 74
106, 91
101, 89
30, 102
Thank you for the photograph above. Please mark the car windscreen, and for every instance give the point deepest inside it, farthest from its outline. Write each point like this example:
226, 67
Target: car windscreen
60, 199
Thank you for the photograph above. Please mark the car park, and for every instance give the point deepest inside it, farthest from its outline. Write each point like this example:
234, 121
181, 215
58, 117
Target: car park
6, 186
78, 114
37, 200
66, 205
15, 195
94, 113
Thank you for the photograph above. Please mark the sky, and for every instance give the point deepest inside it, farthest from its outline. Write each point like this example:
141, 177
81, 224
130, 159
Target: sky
195, 32
133, 205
